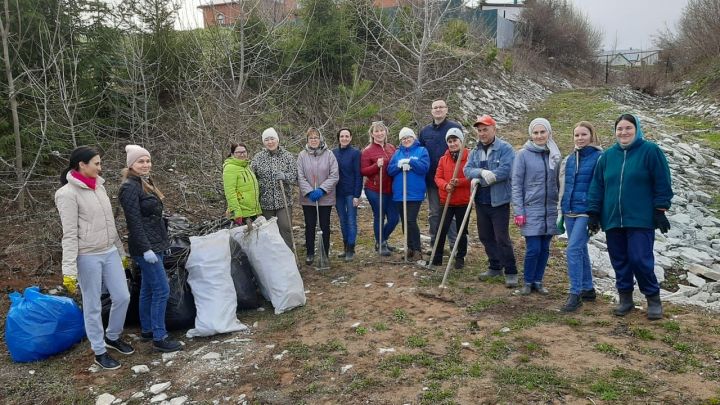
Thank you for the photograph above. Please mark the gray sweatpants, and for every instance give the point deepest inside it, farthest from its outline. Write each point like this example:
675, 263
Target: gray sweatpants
283, 224
93, 272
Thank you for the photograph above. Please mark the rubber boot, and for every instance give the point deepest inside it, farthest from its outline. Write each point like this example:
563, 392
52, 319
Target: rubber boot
382, 250
349, 252
625, 304
527, 289
654, 307
345, 250
573, 303
511, 280
490, 274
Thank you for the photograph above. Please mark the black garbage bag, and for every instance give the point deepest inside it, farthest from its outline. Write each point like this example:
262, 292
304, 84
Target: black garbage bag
132, 318
243, 279
180, 311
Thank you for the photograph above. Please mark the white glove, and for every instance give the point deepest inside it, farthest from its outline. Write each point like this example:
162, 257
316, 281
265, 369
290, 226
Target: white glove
402, 162
488, 176
474, 183
406, 167
150, 257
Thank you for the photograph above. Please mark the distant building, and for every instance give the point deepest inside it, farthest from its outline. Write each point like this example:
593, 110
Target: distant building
225, 13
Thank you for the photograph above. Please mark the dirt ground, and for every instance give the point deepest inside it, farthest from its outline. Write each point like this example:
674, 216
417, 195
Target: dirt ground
377, 331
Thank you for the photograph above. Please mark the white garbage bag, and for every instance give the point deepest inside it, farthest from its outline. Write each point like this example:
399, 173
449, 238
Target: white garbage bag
273, 262
209, 277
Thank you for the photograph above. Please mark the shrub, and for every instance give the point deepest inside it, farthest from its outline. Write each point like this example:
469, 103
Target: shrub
558, 31
456, 33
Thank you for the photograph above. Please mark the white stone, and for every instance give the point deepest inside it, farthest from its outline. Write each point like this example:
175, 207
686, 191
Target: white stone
140, 369
344, 369
505, 330
281, 355
105, 399
158, 398
355, 325
179, 400
169, 356
663, 261
387, 350
160, 387
211, 356
659, 274
695, 280
389, 284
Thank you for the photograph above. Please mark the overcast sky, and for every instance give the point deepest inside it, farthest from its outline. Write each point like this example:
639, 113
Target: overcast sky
624, 23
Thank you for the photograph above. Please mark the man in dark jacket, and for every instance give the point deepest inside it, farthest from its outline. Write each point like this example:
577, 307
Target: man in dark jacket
432, 137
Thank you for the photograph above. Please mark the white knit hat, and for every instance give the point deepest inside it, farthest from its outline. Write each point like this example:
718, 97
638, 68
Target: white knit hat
405, 132
456, 132
270, 133
135, 152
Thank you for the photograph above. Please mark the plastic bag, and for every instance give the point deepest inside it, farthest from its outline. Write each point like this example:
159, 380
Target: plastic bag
208, 269
132, 317
273, 263
39, 326
243, 279
180, 310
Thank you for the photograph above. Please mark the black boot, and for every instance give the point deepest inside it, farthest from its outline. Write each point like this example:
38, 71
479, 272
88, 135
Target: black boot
654, 308
345, 250
573, 303
349, 252
625, 304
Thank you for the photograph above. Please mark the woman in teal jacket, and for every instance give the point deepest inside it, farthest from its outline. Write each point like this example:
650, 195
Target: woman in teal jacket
629, 194
240, 185
414, 160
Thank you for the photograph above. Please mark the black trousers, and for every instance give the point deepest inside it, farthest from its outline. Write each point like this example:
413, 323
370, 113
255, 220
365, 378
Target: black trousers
311, 221
493, 224
413, 236
456, 214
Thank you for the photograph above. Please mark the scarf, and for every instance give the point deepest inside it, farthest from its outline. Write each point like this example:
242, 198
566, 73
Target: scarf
91, 182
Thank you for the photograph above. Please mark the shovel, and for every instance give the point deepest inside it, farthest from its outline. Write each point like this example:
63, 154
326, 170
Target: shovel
442, 286
428, 263
292, 236
323, 260
405, 224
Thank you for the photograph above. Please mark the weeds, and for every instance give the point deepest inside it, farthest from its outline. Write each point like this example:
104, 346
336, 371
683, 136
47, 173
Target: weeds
401, 316
485, 304
532, 319
416, 341
532, 378
608, 348
380, 326
643, 334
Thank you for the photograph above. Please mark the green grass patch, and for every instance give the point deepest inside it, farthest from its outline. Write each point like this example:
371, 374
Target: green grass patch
573, 322
643, 334
361, 331
299, 349
497, 350
671, 326
360, 383
532, 319
416, 341
532, 378
620, 384
688, 123
608, 348
484, 304
380, 326
400, 316
436, 394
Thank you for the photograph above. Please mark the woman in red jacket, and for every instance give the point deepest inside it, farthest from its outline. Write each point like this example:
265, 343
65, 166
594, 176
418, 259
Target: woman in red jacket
460, 188
373, 161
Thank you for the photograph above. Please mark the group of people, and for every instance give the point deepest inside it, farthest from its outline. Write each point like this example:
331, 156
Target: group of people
625, 190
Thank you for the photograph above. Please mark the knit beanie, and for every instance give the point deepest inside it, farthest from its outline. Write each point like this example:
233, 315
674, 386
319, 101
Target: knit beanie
270, 133
135, 152
405, 132
456, 132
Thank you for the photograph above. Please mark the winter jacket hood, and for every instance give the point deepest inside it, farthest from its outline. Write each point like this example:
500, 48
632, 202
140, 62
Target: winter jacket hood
87, 221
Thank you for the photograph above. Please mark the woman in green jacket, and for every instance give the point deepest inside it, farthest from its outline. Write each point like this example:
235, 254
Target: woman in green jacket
240, 185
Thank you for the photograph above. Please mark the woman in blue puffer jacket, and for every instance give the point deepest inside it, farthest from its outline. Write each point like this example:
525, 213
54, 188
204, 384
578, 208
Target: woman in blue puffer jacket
576, 173
534, 198
414, 160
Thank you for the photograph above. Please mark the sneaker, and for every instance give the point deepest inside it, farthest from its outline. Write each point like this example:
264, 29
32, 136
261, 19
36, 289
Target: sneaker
383, 250
120, 346
511, 280
588, 295
490, 274
436, 262
309, 259
146, 336
573, 303
106, 362
526, 290
459, 263
540, 289
166, 345
388, 247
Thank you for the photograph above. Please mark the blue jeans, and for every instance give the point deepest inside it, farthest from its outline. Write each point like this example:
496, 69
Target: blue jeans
631, 254
389, 217
347, 213
537, 252
578, 259
154, 293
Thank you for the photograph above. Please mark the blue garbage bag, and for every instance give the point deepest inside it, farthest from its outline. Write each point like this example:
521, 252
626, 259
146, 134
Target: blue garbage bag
39, 326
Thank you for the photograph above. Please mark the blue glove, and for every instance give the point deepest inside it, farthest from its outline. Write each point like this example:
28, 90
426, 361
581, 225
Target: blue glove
150, 257
316, 194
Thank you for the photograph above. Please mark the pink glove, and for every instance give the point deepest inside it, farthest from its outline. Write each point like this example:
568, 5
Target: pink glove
239, 221
519, 220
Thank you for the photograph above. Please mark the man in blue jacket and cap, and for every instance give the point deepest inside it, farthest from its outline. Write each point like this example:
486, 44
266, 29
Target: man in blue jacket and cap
432, 137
